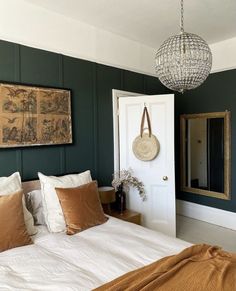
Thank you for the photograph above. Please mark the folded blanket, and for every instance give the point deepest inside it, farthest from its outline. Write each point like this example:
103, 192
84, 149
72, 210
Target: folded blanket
197, 268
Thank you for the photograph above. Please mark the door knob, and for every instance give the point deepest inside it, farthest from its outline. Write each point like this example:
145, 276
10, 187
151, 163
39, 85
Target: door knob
165, 178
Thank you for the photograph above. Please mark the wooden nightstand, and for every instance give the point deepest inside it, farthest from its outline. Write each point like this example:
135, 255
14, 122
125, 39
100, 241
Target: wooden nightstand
127, 215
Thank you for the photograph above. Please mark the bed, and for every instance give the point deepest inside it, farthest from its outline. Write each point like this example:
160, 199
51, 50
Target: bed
83, 261
115, 256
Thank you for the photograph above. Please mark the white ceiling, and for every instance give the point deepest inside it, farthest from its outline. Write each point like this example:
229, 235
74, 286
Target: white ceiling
151, 21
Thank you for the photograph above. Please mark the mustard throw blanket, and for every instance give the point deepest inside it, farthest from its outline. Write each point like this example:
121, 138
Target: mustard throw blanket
197, 268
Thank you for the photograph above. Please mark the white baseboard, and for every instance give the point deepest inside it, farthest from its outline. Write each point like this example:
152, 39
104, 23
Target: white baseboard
208, 214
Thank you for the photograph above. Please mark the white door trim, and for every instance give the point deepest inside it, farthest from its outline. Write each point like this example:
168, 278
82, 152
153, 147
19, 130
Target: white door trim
116, 94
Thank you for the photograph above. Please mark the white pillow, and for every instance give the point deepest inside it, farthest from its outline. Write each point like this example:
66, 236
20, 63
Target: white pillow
10, 185
35, 205
53, 214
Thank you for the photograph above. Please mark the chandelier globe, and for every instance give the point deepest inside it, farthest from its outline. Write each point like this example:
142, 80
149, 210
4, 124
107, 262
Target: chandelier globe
183, 61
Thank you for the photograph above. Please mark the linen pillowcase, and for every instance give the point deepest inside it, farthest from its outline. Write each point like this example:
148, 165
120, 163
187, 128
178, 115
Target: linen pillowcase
12, 184
81, 207
13, 232
35, 206
53, 214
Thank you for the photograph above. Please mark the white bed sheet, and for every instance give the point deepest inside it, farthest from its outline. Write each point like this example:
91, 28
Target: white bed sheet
83, 261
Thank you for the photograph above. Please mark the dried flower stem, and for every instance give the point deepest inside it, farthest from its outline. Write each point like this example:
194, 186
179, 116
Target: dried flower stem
125, 177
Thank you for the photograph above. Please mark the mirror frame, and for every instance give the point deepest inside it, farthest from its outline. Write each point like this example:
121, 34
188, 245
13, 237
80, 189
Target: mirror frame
227, 154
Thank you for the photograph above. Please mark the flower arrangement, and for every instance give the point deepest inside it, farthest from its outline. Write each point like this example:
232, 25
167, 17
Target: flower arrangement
125, 178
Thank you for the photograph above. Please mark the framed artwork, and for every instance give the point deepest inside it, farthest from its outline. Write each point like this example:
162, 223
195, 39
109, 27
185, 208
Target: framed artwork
31, 116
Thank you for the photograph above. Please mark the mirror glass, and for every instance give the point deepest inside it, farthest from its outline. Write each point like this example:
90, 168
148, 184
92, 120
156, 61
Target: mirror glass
205, 154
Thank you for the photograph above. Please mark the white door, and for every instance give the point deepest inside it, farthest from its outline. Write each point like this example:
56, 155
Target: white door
158, 175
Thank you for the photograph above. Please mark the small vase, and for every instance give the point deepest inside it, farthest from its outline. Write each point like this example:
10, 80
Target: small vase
120, 199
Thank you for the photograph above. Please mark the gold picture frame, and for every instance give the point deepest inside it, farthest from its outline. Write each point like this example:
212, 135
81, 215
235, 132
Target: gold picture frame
31, 116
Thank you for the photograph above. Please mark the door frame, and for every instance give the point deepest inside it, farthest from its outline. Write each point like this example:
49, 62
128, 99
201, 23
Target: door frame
116, 94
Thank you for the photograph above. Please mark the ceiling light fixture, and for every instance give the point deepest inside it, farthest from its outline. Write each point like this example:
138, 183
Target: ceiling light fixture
183, 61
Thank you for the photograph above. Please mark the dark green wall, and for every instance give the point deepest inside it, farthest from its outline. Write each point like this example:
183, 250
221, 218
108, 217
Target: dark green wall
91, 86
218, 93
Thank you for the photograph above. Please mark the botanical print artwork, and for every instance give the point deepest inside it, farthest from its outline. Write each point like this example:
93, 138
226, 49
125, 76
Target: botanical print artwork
19, 131
34, 116
54, 103
55, 128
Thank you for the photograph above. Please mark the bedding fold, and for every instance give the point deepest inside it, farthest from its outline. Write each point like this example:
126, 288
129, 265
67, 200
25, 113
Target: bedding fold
199, 267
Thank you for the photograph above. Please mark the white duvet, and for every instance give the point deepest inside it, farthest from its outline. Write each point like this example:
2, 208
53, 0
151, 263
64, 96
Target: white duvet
84, 261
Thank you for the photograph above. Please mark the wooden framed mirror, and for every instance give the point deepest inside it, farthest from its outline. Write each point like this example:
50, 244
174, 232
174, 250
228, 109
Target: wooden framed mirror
206, 154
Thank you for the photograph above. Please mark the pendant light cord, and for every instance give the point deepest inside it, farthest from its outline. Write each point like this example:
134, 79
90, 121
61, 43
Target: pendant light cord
182, 16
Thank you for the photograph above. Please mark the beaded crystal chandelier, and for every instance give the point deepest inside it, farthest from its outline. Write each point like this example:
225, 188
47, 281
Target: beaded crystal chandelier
183, 61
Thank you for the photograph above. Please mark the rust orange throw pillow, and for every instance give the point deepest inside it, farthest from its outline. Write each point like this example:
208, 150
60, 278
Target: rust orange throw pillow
13, 231
81, 207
